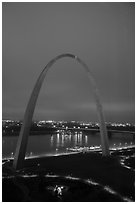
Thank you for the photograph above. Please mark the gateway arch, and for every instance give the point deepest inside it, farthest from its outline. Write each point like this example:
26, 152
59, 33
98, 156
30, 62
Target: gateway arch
20, 151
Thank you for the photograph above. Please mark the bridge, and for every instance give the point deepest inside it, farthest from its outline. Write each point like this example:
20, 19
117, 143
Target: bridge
97, 130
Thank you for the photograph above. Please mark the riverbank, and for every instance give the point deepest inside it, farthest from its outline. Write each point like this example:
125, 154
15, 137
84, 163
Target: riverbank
107, 172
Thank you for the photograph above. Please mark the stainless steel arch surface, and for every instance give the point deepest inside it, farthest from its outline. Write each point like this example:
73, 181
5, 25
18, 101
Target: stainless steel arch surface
19, 156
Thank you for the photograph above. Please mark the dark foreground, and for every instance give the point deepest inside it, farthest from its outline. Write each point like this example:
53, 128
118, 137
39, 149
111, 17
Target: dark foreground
76, 177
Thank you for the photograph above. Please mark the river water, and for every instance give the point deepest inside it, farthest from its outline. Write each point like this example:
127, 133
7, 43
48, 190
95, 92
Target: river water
52, 144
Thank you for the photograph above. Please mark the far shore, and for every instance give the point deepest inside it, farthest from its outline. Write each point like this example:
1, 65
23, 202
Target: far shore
54, 131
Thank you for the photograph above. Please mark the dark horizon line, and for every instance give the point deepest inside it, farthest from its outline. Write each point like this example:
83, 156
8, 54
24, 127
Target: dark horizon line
21, 120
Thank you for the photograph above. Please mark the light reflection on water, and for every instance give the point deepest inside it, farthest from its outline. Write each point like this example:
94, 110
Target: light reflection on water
68, 140
60, 142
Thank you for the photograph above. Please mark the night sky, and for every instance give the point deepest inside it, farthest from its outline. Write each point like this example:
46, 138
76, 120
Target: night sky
101, 34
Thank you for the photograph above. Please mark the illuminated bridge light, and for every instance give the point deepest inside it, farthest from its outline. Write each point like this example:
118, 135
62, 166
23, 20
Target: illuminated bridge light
89, 181
8, 177
52, 176
108, 189
127, 199
72, 178
49, 121
29, 176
